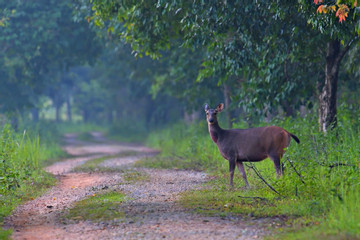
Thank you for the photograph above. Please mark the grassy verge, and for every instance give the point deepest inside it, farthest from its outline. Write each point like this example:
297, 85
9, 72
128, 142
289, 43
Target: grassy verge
134, 131
97, 208
21, 174
320, 187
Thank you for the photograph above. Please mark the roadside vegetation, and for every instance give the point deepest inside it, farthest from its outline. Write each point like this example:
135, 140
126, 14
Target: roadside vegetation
320, 188
22, 157
97, 208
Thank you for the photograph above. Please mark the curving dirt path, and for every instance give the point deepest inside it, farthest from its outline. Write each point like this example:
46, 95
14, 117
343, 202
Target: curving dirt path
151, 213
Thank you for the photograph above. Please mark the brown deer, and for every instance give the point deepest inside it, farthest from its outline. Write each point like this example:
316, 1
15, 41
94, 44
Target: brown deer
248, 145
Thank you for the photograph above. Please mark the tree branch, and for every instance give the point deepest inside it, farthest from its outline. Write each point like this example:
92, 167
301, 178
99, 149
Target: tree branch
345, 50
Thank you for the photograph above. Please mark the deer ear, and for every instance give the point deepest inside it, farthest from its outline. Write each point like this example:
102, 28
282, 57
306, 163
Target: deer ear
206, 107
220, 107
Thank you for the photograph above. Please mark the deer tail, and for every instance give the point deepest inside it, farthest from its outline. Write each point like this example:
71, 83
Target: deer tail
295, 137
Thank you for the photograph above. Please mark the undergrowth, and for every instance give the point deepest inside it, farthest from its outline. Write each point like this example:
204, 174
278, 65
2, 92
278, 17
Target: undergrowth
320, 187
128, 131
21, 160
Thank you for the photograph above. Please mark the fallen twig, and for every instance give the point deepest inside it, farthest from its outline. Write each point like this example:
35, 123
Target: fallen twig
260, 198
340, 164
296, 171
259, 175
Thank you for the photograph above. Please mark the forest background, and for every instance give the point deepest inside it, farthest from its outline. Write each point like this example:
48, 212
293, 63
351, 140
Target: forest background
145, 69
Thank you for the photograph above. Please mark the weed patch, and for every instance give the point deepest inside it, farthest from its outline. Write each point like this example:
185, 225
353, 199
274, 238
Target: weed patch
132, 176
29, 189
97, 208
22, 156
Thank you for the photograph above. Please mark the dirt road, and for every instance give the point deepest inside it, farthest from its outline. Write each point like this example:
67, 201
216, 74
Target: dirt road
151, 211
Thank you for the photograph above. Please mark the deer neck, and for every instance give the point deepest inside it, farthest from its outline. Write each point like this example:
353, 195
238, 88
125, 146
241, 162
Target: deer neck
215, 131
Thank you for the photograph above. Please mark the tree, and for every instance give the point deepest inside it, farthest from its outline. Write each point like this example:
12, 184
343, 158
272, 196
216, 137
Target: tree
40, 41
242, 39
340, 37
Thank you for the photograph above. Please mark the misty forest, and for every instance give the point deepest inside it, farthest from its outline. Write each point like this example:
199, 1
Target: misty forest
115, 119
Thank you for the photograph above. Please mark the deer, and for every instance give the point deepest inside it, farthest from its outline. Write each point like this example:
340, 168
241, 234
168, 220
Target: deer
248, 145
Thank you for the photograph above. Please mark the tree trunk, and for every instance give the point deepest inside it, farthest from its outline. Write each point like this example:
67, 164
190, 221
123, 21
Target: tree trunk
14, 122
327, 97
68, 109
35, 114
58, 116
288, 108
86, 116
227, 105
110, 116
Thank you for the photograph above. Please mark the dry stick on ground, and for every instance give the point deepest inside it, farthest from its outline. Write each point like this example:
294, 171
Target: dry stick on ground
340, 164
295, 170
252, 166
260, 198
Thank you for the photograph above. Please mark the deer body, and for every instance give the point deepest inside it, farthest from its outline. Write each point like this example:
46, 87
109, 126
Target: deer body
248, 145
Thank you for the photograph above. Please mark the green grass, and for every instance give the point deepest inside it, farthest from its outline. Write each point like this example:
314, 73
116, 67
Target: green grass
183, 147
132, 176
22, 156
5, 234
128, 130
342, 221
97, 208
321, 174
83, 128
34, 186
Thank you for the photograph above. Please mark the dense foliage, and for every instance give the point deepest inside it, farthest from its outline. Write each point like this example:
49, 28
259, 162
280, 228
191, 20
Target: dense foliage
241, 41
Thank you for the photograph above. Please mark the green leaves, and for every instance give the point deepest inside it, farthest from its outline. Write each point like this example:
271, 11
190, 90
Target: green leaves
40, 39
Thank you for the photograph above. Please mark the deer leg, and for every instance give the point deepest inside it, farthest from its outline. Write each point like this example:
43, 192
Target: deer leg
276, 160
282, 168
231, 171
240, 166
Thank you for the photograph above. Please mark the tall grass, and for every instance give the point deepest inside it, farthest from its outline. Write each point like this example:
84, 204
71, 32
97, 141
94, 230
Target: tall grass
184, 146
21, 160
321, 182
345, 213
